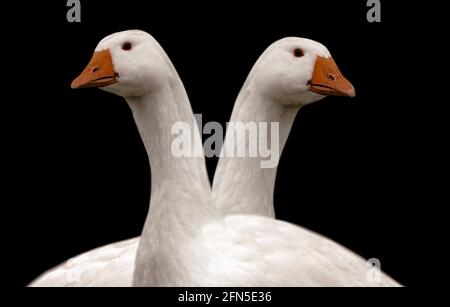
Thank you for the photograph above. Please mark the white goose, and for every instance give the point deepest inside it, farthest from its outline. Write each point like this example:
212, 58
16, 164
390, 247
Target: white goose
291, 73
186, 241
248, 250
133, 65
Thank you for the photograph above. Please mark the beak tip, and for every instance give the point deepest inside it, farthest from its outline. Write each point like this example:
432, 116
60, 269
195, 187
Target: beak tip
75, 85
349, 91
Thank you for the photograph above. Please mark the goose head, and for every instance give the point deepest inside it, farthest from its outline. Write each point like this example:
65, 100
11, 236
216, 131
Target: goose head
298, 71
128, 64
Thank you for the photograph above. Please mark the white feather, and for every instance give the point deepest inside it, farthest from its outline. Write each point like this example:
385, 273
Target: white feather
108, 266
186, 240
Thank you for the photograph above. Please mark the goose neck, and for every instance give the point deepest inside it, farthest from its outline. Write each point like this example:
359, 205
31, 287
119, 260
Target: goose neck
256, 196
180, 185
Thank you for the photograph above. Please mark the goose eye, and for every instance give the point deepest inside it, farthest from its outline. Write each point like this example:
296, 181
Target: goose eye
298, 53
127, 46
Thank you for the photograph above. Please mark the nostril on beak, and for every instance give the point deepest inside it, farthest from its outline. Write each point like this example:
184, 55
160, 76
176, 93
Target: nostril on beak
95, 69
332, 77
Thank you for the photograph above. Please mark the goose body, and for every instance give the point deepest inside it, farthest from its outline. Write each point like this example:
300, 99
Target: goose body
252, 251
113, 265
108, 266
186, 240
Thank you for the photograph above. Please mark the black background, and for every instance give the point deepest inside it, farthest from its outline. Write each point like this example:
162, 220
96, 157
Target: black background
348, 170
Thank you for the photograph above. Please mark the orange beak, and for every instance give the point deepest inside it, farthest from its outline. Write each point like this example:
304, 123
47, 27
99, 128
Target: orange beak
98, 73
328, 80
